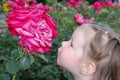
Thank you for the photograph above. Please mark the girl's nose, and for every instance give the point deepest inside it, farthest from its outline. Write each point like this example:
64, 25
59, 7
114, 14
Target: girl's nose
64, 43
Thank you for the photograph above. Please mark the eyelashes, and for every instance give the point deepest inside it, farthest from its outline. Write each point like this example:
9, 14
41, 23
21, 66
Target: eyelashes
71, 44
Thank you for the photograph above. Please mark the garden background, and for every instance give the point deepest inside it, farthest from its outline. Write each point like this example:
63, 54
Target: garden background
16, 65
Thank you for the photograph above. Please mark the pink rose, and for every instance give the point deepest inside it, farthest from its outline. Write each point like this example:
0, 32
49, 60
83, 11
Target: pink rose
74, 3
36, 37
98, 5
35, 28
79, 18
109, 3
18, 17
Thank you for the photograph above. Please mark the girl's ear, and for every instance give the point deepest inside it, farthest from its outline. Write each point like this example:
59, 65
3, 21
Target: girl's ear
88, 68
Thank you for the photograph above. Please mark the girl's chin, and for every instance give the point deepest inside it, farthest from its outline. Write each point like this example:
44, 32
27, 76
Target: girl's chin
58, 63
61, 68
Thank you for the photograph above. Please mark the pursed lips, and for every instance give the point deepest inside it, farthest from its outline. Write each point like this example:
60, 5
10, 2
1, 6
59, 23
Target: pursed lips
59, 51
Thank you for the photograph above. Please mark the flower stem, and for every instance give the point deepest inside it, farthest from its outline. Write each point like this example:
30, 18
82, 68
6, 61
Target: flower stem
14, 76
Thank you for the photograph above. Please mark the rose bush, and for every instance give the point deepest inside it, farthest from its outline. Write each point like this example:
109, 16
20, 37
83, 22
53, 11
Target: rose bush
15, 65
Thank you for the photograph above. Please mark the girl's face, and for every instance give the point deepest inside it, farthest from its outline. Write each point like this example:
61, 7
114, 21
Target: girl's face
70, 54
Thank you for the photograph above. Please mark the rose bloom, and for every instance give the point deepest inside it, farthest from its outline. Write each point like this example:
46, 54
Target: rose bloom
35, 28
98, 5
74, 3
110, 4
79, 18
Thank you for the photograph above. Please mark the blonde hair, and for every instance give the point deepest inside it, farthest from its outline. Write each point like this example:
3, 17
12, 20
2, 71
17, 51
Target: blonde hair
104, 49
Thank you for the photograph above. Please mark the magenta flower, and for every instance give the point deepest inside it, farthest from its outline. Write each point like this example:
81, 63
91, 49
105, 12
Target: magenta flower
79, 18
98, 5
35, 28
74, 3
110, 4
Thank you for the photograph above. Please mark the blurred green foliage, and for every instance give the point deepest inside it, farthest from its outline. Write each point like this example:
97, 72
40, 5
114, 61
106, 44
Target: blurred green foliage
16, 65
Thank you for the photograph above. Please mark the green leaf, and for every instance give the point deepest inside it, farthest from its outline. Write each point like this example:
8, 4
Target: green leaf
104, 10
25, 62
14, 53
12, 66
31, 59
2, 57
13, 38
5, 77
42, 57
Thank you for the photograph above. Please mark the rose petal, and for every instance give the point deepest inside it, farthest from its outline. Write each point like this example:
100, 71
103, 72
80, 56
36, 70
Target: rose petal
27, 34
33, 42
40, 50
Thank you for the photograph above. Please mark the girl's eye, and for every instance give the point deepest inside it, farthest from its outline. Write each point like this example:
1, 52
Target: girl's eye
71, 44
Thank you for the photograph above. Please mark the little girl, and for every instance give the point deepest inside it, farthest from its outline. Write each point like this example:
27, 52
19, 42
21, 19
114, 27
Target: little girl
92, 53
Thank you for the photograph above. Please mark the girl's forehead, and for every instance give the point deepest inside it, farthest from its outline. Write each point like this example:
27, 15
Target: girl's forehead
78, 34
84, 32
78, 38
78, 31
